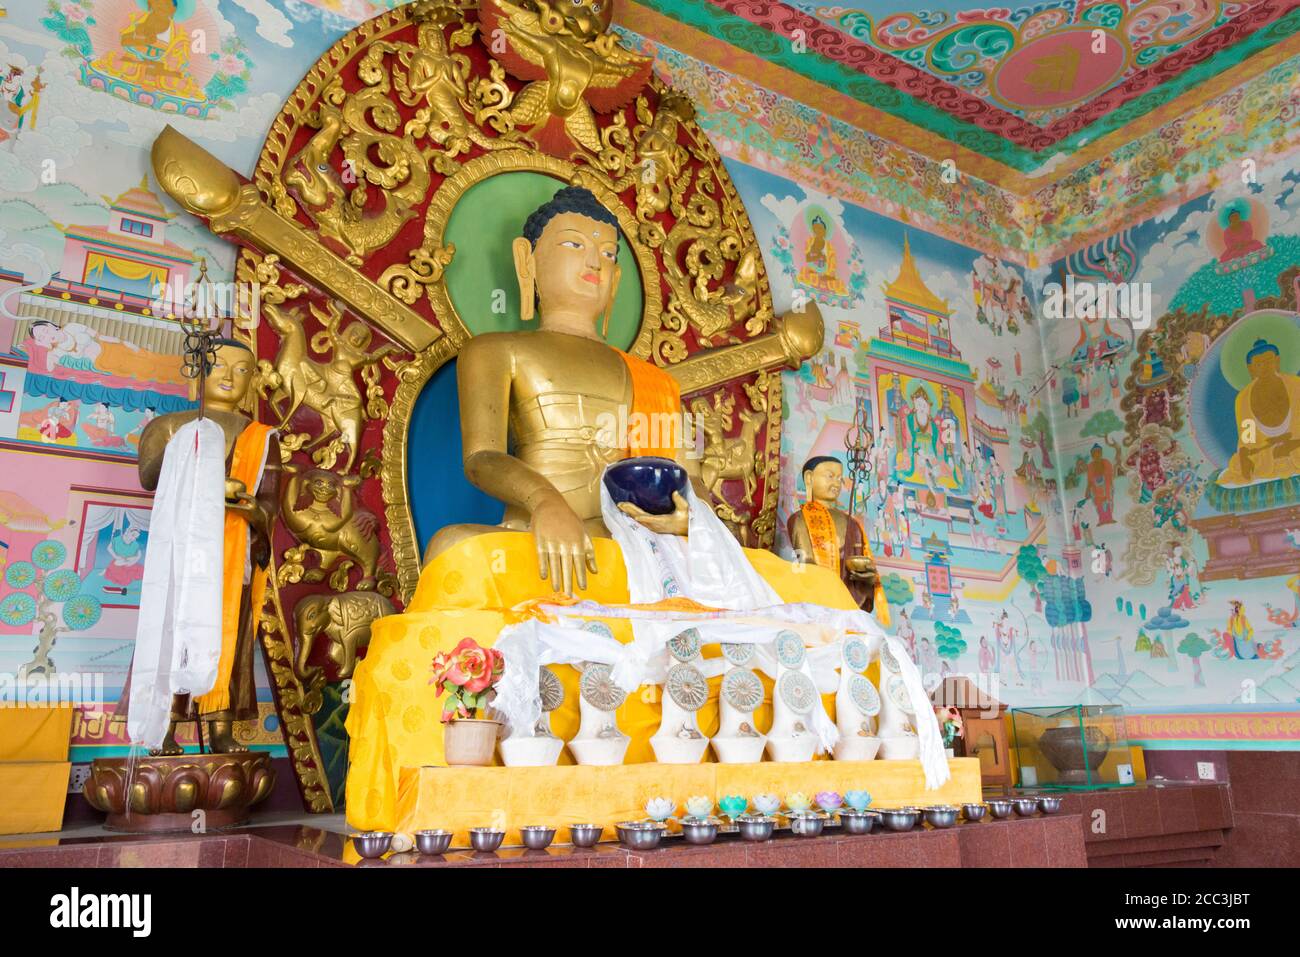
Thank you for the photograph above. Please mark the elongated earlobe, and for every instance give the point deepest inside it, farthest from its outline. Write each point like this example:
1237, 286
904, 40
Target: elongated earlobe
523, 255
609, 309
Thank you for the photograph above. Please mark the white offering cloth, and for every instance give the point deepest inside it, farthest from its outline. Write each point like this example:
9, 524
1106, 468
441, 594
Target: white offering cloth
178, 630
710, 568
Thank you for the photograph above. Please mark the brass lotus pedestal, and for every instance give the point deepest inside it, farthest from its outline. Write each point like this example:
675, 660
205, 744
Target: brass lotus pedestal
166, 791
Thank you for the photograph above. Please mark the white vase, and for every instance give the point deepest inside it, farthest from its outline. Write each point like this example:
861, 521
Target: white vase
856, 704
599, 740
791, 738
540, 751
738, 740
897, 721
539, 748
678, 740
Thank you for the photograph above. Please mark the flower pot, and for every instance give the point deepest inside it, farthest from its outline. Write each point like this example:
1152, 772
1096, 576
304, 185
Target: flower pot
469, 742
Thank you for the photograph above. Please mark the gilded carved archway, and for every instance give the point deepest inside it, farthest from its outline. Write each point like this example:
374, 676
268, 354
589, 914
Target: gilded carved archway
342, 227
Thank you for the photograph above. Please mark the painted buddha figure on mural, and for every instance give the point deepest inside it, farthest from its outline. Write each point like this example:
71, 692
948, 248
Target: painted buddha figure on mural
1268, 421
155, 49
820, 271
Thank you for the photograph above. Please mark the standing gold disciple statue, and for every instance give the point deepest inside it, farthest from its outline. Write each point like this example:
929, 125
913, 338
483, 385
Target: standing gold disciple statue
252, 478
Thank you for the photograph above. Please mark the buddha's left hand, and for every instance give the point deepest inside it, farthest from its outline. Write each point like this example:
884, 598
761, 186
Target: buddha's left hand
675, 522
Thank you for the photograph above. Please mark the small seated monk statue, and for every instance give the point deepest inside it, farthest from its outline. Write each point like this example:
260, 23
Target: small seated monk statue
823, 534
252, 479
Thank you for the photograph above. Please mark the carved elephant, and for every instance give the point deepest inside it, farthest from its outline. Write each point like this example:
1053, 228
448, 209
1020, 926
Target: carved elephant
344, 620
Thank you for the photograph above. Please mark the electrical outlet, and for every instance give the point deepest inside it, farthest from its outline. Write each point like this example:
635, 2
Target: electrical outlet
1205, 770
80, 773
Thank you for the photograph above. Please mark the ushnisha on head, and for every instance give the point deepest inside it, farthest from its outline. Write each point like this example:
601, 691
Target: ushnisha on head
566, 263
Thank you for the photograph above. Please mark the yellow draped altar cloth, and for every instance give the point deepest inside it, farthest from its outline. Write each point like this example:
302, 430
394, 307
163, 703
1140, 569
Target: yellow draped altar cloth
475, 589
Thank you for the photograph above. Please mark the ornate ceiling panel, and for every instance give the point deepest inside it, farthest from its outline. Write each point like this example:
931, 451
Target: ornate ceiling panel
1015, 86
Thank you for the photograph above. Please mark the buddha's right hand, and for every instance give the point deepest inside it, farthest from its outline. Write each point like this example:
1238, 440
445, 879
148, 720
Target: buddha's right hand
564, 550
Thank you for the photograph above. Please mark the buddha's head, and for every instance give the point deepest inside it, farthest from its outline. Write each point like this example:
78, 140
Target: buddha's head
1263, 359
823, 477
231, 376
566, 261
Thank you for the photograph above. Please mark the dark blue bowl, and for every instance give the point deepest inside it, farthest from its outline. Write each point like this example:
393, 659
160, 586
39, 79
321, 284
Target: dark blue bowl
648, 482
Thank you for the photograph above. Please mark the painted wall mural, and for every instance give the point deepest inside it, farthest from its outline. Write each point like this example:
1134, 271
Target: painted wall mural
991, 511
1180, 456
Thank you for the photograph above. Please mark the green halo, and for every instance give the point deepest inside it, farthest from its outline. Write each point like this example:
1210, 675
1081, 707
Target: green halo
1273, 325
811, 212
481, 279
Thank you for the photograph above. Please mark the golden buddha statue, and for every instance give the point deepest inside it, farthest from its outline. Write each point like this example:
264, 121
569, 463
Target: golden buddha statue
1268, 422
556, 388
252, 480
823, 534
536, 408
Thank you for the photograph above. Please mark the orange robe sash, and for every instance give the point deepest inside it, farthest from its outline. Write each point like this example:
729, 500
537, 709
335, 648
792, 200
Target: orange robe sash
826, 549
246, 466
655, 425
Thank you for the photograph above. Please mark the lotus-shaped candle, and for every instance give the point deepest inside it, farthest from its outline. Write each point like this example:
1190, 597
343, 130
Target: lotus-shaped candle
767, 804
798, 801
699, 807
829, 800
733, 805
660, 808
858, 800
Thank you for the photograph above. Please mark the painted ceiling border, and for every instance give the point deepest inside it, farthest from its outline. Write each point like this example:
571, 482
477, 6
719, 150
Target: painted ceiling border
713, 19
660, 28
1253, 29
642, 19
743, 35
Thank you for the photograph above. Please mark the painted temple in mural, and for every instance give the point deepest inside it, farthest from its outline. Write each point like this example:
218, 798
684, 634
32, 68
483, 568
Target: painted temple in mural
89, 354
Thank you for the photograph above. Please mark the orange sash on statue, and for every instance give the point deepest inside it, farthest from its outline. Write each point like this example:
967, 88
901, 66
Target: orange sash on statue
246, 466
826, 548
654, 428
821, 530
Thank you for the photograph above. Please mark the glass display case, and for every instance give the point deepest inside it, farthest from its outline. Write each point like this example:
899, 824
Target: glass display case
1073, 746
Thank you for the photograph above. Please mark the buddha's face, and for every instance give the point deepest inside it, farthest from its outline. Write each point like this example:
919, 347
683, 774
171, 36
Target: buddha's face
825, 481
1266, 363
231, 375
574, 264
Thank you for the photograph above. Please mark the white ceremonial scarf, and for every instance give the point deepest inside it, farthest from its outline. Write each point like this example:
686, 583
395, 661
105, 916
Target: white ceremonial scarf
711, 568
178, 631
